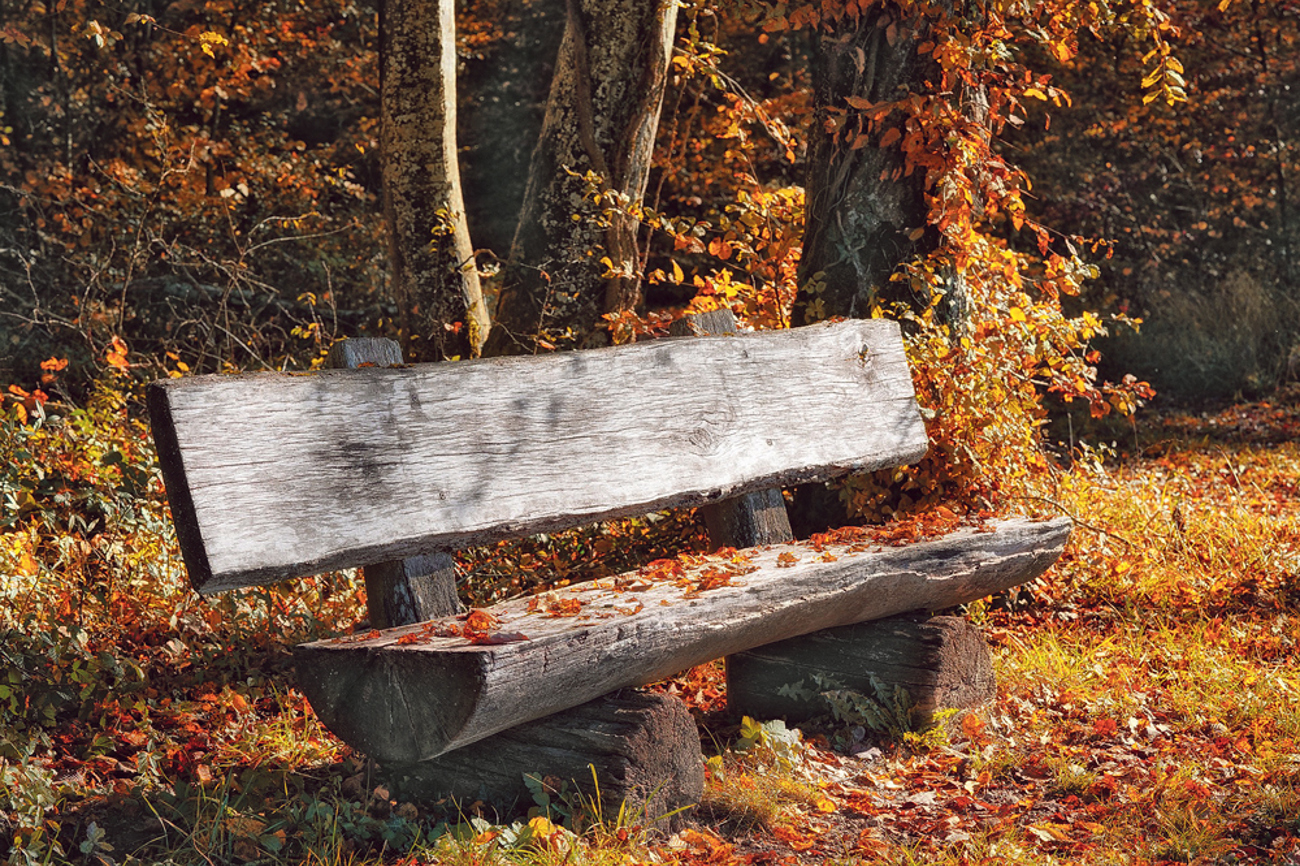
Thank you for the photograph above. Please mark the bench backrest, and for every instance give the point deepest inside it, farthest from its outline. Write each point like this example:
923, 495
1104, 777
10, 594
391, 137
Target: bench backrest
272, 476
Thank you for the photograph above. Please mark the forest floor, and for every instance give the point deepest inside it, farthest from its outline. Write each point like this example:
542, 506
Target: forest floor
1148, 708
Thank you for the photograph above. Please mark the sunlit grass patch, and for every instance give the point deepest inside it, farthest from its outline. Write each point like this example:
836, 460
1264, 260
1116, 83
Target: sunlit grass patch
761, 778
1193, 531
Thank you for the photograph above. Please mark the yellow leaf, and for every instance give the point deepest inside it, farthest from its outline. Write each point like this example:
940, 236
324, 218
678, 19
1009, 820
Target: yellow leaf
1049, 832
1017, 314
542, 826
678, 276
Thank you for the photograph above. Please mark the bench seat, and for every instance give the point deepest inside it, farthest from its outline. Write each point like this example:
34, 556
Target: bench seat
411, 693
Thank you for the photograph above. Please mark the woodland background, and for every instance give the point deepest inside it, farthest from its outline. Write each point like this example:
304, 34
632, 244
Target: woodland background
194, 187
201, 180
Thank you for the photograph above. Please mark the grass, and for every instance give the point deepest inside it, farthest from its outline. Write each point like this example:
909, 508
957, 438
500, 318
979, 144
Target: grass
1148, 708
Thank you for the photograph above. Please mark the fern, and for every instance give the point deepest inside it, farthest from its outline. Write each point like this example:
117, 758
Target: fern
887, 711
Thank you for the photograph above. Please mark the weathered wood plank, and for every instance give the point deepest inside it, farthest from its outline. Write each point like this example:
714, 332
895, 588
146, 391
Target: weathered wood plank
644, 747
942, 661
272, 476
407, 694
750, 519
399, 591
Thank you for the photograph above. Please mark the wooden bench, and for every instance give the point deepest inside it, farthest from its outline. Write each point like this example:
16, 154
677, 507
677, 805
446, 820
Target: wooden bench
275, 476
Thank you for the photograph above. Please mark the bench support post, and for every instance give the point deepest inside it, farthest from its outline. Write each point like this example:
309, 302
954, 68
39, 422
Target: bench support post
752, 519
943, 662
644, 749
418, 588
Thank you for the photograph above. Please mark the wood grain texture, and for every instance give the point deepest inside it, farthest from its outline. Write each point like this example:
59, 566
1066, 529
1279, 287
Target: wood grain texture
367, 351
644, 747
406, 695
753, 518
399, 591
403, 591
942, 661
273, 476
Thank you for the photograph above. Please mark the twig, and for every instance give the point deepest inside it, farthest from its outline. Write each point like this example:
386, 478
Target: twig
1078, 520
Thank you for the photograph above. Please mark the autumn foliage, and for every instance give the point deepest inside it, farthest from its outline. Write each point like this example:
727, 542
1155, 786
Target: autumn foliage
193, 188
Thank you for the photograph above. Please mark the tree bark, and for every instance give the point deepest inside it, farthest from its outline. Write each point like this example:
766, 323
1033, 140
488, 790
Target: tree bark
601, 117
862, 208
434, 277
644, 749
942, 662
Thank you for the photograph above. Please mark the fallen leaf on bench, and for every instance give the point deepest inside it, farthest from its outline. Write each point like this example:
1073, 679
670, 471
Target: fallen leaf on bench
356, 638
480, 620
713, 578
786, 560
628, 611
499, 637
662, 569
552, 605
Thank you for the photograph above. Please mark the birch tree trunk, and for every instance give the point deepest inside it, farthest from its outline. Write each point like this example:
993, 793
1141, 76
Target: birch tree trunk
432, 265
601, 117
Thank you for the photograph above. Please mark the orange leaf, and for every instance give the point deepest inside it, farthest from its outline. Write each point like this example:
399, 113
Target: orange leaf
497, 637
480, 620
116, 355
792, 837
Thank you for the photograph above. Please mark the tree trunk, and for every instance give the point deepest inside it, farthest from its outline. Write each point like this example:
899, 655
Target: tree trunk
862, 208
601, 117
435, 281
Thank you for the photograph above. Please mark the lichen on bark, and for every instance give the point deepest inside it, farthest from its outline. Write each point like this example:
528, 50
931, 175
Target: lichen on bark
862, 206
434, 277
596, 145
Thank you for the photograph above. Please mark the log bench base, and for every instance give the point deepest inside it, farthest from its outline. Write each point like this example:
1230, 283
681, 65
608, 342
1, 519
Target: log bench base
942, 661
644, 748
